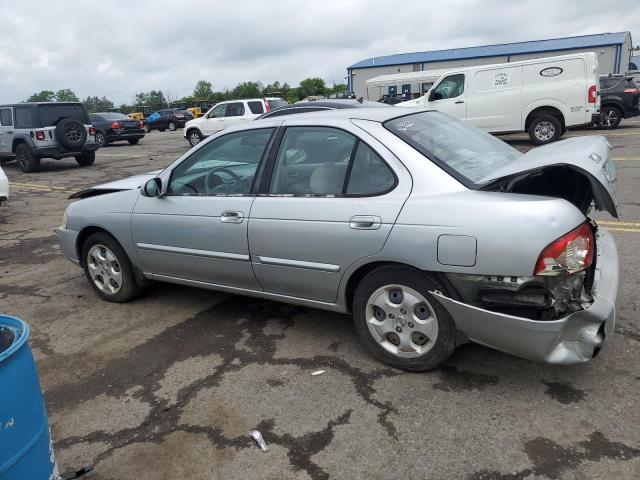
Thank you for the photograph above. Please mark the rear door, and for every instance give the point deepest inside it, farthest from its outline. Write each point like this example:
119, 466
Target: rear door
237, 113
6, 130
449, 96
332, 198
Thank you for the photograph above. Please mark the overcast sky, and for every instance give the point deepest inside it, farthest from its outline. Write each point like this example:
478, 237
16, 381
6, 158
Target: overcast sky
140, 45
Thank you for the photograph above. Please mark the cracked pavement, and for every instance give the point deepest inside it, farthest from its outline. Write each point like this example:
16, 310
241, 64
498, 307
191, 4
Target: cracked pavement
169, 386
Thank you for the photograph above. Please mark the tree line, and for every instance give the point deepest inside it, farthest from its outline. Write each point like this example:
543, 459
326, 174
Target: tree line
203, 93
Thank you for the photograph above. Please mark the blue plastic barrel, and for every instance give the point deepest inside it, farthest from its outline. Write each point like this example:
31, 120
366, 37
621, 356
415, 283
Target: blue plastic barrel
25, 441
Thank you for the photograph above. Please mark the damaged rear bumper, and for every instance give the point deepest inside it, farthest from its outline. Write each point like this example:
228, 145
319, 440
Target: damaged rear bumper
575, 338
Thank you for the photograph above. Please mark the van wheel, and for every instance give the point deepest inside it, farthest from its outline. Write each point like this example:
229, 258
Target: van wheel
108, 268
545, 129
400, 322
86, 159
27, 161
610, 118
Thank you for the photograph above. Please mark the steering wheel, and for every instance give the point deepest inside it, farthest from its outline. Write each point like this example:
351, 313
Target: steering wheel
208, 180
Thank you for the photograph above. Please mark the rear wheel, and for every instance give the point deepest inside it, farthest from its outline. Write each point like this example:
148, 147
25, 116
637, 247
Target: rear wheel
27, 161
610, 117
194, 137
400, 322
545, 129
133, 141
101, 139
172, 127
86, 159
108, 268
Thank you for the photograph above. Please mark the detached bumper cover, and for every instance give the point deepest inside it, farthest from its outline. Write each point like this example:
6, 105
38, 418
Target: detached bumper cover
575, 338
67, 240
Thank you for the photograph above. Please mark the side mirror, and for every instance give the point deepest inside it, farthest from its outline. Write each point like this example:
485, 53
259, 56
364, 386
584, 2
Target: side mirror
434, 95
152, 188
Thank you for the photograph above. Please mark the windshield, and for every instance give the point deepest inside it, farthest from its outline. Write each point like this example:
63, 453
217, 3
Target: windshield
51, 113
464, 151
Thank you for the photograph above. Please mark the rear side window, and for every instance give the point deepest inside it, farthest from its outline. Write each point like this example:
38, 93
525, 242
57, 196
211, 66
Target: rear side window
5, 117
276, 103
24, 117
256, 107
369, 174
52, 114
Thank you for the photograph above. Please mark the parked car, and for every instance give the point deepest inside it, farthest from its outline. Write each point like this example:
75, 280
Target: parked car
342, 95
4, 187
542, 97
168, 119
318, 106
225, 114
115, 127
619, 98
31, 131
429, 231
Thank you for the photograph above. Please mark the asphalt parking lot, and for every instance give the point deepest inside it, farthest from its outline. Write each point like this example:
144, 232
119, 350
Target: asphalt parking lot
168, 386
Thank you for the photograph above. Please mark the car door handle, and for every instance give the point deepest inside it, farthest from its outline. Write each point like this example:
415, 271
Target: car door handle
230, 216
459, 101
365, 222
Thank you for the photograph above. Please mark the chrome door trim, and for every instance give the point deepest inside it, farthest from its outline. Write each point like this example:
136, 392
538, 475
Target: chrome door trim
285, 262
335, 307
194, 252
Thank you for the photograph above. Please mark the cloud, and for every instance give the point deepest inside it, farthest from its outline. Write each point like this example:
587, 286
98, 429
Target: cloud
118, 48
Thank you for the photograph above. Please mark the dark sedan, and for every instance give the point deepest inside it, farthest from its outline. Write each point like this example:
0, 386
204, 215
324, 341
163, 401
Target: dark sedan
619, 98
318, 106
168, 119
115, 127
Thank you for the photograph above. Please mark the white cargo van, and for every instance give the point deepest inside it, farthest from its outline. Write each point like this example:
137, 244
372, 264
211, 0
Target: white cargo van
543, 97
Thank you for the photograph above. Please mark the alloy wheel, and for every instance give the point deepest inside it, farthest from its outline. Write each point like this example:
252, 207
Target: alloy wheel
100, 139
402, 321
172, 127
104, 269
609, 118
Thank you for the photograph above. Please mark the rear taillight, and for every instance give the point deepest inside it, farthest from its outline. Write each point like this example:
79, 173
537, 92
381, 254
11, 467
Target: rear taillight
115, 125
141, 124
632, 91
179, 115
267, 107
92, 130
40, 135
592, 94
568, 254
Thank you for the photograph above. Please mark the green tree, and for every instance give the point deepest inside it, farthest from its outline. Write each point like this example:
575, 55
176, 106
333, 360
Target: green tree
43, 96
66, 95
154, 98
97, 104
338, 87
312, 86
203, 91
247, 90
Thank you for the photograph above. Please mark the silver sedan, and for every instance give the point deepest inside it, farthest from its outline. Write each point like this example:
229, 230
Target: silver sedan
430, 232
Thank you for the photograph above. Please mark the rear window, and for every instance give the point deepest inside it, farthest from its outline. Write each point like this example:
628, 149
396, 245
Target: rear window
276, 103
111, 116
466, 153
51, 114
256, 107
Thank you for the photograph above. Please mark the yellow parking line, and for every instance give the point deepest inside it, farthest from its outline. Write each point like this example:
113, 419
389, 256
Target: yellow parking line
621, 224
634, 230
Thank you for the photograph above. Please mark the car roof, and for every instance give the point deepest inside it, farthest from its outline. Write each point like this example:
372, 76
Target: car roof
333, 103
26, 104
381, 114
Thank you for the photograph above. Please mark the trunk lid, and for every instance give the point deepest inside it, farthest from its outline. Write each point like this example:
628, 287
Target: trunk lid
540, 171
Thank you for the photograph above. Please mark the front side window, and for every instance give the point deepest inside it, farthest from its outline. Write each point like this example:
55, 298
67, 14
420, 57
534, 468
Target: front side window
256, 107
5, 117
465, 152
224, 166
451, 87
219, 111
235, 109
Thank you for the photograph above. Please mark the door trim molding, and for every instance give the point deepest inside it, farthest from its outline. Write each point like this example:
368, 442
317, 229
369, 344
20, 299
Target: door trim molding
194, 252
285, 262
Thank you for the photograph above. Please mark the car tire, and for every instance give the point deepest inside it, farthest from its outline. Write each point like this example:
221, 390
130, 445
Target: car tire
194, 137
610, 117
71, 133
101, 139
412, 330
27, 161
172, 126
108, 269
86, 159
133, 141
545, 129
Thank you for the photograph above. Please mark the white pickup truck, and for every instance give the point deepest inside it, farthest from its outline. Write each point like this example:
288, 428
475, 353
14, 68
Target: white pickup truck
542, 97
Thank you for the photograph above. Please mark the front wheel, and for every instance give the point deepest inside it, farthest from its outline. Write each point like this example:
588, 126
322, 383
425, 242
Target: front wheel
133, 141
86, 159
400, 322
545, 129
172, 127
108, 268
610, 118
194, 137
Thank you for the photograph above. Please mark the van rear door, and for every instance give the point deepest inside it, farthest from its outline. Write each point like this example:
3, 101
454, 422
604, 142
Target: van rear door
494, 102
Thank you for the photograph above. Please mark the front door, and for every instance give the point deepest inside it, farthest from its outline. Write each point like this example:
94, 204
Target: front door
6, 130
198, 230
448, 96
214, 121
332, 199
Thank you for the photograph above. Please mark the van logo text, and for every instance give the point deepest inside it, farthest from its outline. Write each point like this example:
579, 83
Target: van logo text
551, 71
